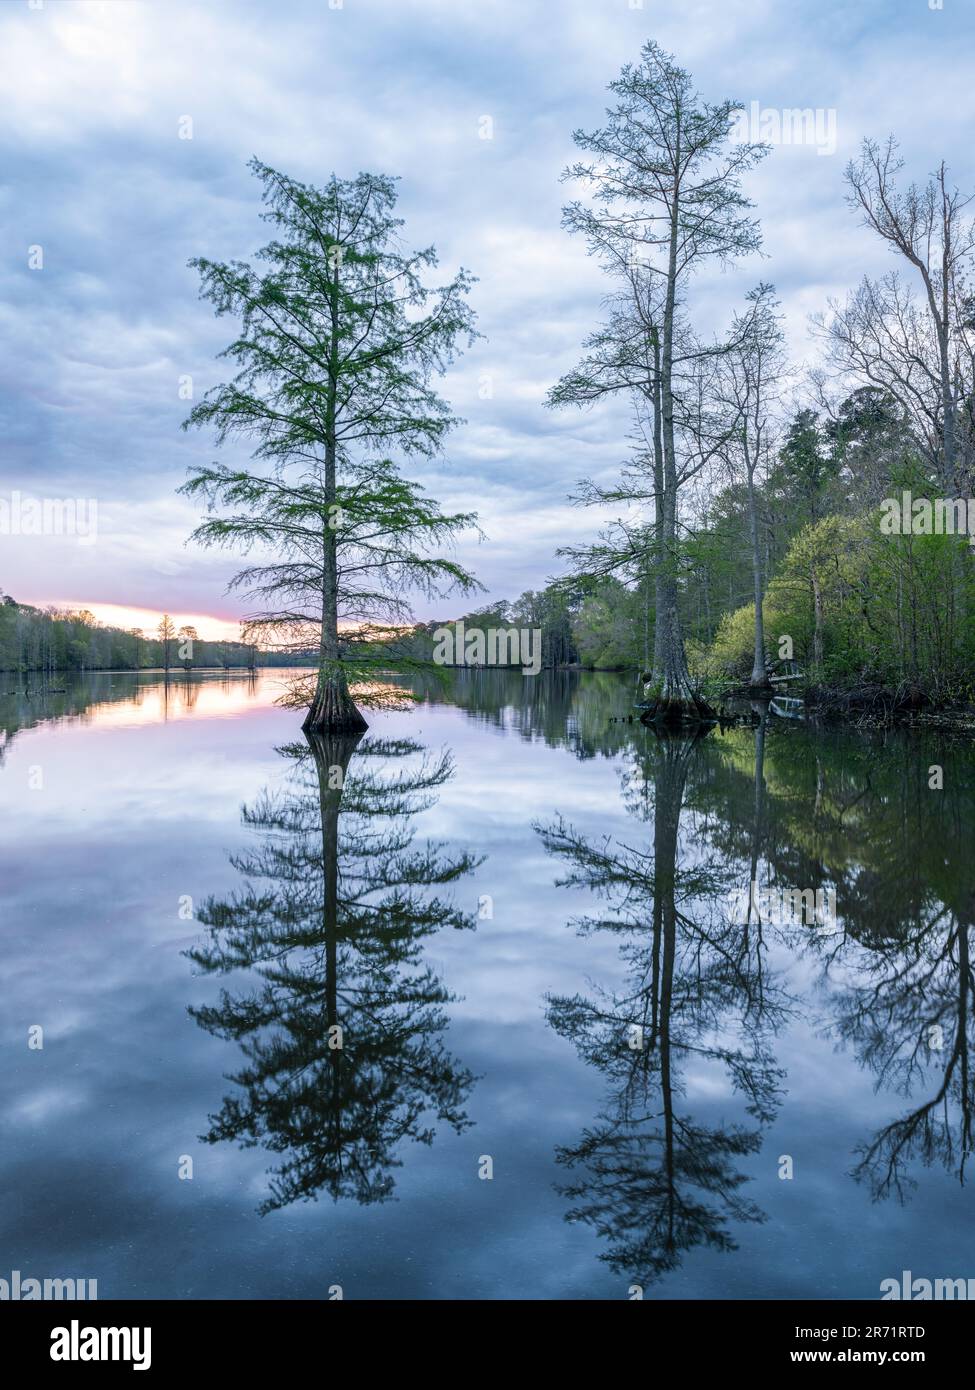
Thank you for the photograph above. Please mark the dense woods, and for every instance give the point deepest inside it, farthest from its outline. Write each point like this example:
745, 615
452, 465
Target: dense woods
858, 605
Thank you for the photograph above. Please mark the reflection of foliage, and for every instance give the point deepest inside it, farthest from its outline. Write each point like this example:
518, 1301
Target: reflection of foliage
909, 1017
566, 709
656, 1181
855, 812
332, 919
27, 701
298, 691
860, 812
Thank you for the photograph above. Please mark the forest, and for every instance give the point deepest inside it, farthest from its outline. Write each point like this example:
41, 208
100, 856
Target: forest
860, 606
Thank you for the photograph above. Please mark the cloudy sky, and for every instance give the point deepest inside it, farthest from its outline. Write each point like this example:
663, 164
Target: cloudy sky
94, 341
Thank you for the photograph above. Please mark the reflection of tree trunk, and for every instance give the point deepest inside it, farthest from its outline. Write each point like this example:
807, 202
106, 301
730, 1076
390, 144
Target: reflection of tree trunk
964, 986
654, 1180
759, 783
666, 1083
670, 777
655, 973
758, 828
332, 757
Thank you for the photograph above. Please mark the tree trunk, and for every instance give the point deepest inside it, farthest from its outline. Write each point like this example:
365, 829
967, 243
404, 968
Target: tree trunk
759, 680
675, 701
333, 709
817, 651
658, 514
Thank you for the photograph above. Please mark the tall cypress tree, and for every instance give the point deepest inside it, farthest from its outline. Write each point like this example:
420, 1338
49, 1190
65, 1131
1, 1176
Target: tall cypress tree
340, 341
664, 178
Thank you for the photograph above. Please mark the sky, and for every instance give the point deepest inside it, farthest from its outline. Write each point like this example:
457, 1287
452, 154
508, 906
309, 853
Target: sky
103, 200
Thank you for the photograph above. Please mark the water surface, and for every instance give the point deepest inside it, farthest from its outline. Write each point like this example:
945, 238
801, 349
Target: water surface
347, 981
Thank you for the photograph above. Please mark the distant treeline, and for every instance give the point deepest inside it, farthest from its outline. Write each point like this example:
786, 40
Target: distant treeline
599, 624
50, 640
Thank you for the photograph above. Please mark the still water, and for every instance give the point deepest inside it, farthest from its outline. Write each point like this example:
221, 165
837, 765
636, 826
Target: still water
340, 985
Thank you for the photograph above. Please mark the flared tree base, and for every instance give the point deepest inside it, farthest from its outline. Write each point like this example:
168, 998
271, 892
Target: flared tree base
333, 711
679, 712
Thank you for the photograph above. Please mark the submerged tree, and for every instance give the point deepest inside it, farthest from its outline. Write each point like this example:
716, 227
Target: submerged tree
667, 197
341, 1036
339, 344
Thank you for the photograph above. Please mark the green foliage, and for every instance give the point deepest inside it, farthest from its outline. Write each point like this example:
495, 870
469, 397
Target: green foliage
340, 339
893, 608
607, 627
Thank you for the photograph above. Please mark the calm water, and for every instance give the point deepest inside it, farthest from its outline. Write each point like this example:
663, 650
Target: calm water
506, 889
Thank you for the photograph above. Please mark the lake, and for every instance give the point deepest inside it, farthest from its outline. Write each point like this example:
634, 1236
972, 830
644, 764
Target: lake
472, 1009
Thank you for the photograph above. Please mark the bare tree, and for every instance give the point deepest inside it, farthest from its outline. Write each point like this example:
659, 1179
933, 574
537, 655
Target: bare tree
753, 372
922, 354
666, 194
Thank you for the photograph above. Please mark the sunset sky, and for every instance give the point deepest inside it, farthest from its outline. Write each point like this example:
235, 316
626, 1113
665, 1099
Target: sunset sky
93, 345
147, 619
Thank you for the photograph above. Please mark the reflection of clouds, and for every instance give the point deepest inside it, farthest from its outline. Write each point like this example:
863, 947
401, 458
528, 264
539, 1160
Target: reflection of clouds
91, 951
49, 1104
159, 706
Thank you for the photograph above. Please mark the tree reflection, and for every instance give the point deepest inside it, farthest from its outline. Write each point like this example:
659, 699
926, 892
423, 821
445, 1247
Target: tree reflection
342, 1034
591, 714
909, 1018
866, 815
655, 1179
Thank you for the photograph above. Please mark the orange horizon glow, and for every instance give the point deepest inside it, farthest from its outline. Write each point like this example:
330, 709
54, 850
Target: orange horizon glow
169, 702
209, 628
